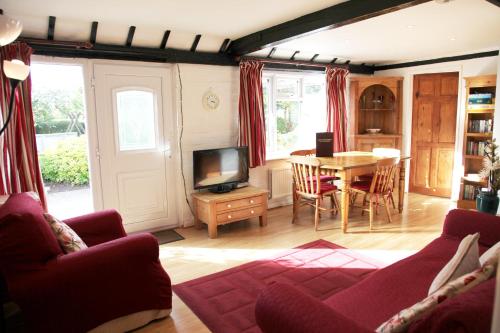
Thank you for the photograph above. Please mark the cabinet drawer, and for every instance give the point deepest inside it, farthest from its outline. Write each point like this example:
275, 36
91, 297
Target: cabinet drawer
239, 214
235, 204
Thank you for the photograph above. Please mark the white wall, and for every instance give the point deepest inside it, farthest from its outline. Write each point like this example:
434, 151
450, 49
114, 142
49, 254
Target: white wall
465, 68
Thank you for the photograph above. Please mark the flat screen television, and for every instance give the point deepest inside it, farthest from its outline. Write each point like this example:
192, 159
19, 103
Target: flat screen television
220, 170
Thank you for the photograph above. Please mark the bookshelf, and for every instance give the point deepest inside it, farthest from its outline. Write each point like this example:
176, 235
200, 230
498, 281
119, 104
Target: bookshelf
479, 112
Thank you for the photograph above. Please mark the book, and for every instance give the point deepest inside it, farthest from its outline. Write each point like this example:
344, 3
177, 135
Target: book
324, 144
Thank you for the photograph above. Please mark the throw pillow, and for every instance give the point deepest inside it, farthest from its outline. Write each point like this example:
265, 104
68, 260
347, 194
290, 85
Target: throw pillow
465, 260
67, 237
489, 253
401, 321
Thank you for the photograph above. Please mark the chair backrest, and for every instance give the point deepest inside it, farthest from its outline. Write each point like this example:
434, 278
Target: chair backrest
303, 152
383, 179
306, 175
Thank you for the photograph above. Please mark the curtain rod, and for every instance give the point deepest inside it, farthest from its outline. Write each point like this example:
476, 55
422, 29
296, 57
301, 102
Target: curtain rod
290, 62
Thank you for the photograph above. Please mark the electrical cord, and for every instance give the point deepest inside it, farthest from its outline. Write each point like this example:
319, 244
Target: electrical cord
180, 141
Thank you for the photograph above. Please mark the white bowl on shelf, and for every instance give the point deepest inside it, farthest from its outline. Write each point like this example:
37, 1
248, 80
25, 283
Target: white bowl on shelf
373, 130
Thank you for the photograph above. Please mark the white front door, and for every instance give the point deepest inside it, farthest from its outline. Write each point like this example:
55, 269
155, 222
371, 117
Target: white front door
135, 133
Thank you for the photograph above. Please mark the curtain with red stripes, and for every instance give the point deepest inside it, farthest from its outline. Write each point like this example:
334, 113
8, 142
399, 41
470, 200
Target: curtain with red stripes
251, 112
19, 168
336, 106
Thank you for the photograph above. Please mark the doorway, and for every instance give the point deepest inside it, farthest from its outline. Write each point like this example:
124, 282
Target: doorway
433, 133
135, 127
61, 134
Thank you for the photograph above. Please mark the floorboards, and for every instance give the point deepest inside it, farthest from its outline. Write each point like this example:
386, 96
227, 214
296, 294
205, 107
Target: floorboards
241, 242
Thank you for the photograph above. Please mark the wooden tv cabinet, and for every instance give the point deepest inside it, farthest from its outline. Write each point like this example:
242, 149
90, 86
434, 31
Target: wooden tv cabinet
221, 208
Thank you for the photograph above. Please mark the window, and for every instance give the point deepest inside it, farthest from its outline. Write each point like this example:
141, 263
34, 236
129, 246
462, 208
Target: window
295, 109
136, 119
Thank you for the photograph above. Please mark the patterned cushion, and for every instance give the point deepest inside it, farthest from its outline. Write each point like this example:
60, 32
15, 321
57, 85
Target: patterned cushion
489, 253
67, 238
401, 321
465, 260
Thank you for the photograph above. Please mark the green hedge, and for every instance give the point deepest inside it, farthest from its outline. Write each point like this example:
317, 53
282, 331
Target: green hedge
55, 126
67, 163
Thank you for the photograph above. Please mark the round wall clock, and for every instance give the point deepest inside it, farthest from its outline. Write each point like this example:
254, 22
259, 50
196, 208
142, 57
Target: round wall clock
210, 100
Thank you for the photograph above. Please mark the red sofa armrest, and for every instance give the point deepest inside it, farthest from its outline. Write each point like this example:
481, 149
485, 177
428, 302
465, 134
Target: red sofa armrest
98, 227
283, 308
90, 287
460, 223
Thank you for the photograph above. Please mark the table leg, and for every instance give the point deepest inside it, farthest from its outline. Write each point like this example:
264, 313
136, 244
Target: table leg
401, 190
197, 222
345, 177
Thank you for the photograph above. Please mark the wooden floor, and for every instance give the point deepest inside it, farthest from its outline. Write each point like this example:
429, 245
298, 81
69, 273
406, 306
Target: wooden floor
245, 241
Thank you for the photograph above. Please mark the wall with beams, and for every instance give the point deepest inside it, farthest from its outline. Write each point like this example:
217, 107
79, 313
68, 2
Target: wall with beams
465, 68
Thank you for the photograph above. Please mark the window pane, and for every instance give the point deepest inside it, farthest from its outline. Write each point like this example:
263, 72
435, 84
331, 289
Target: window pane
136, 119
287, 88
313, 116
287, 121
266, 88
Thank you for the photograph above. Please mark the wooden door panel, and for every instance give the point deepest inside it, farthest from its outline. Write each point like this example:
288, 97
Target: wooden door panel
433, 133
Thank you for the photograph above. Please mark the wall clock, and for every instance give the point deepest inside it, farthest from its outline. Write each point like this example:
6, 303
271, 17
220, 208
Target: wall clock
210, 101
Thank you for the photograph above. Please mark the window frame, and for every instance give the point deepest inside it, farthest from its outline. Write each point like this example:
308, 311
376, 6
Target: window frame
273, 76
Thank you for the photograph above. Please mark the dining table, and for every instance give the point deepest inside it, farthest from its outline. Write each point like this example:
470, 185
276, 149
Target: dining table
347, 165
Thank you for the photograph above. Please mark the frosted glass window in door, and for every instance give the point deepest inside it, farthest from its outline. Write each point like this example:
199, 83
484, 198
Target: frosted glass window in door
136, 119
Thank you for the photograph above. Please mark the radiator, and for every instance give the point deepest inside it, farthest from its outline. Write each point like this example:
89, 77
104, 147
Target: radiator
279, 182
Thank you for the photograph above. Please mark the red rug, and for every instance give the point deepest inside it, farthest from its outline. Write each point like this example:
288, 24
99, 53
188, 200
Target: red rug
225, 301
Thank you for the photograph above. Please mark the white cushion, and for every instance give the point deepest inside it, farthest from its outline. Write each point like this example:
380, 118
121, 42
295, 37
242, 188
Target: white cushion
489, 253
465, 260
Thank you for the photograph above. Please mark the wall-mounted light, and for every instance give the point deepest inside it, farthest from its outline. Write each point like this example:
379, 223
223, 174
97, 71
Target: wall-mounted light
10, 29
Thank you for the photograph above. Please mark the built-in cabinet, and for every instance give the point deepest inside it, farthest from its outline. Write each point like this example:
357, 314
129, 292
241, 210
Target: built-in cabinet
376, 106
478, 128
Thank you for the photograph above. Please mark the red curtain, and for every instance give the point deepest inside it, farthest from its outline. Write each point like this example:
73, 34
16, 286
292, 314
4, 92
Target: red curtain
19, 168
251, 112
336, 106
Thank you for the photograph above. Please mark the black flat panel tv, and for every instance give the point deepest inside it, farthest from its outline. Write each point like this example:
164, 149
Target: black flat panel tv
220, 169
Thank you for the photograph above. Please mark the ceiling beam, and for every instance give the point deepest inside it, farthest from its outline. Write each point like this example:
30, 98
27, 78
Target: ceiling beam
314, 57
329, 18
224, 45
270, 54
93, 32
130, 36
52, 28
294, 54
195, 43
495, 2
333, 60
164, 40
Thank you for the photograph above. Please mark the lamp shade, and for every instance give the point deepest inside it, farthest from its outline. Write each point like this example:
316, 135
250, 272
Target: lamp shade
16, 69
10, 29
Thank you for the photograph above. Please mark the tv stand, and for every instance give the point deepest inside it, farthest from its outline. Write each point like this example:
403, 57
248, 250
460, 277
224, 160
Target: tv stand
222, 208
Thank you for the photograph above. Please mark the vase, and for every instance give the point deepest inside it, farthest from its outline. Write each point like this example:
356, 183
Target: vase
487, 202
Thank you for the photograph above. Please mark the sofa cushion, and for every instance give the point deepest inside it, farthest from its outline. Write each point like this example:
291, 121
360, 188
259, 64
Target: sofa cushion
492, 251
465, 260
26, 240
67, 237
460, 314
378, 297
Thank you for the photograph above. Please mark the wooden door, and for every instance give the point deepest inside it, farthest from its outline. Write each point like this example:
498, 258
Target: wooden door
433, 133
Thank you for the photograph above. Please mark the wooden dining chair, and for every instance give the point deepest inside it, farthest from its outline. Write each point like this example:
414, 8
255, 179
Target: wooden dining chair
312, 152
380, 186
309, 189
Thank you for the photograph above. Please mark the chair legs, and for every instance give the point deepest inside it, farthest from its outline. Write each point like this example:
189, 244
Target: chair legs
316, 213
373, 202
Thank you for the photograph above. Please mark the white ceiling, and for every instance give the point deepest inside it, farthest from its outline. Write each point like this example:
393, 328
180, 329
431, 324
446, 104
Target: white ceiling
430, 30
425, 31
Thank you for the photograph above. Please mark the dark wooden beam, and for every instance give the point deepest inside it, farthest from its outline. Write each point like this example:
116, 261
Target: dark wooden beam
495, 2
344, 13
52, 28
314, 57
195, 43
122, 52
1, 11
93, 32
224, 45
164, 40
294, 54
348, 62
271, 52
333, 61
130, 36
438, 60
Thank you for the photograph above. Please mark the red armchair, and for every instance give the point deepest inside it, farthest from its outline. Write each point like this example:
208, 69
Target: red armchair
118, 277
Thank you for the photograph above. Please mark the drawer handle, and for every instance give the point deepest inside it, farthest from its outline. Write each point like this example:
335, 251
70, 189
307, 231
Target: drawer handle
229, 216
228, 206
251, 201
251, 212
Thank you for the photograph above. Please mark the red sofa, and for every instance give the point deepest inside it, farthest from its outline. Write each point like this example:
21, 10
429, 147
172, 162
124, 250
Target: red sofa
117, 277
367, 304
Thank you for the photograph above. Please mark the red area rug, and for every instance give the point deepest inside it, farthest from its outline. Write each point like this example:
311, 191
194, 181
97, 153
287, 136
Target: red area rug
225, 301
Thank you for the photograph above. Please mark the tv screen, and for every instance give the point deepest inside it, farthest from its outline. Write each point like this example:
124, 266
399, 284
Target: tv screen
215, 167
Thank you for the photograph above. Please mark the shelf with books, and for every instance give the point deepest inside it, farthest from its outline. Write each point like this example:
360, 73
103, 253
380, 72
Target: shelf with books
479, 135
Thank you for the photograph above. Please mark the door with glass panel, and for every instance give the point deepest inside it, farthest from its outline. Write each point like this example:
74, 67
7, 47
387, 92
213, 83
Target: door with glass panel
135, 130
